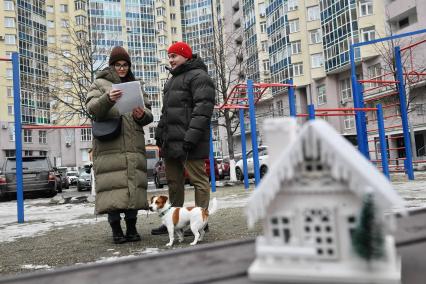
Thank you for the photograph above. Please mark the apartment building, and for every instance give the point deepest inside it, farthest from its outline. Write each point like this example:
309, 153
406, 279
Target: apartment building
309, 41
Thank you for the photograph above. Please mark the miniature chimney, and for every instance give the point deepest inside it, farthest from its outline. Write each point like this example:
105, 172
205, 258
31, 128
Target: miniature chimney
279, 133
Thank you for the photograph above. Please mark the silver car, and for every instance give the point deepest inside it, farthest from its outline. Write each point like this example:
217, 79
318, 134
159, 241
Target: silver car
263, 167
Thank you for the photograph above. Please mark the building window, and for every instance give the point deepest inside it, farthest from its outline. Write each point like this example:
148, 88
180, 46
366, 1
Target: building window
349, 122
8, 5
368, 33
63, 8
172, 16
28, 136
9, 22
50, 24
266, 65
345, 90
42, 136
315, 36
374, 73
298, 69
10, 39
11, 128
292, 5
263, 27
321, 95
65, 23
172, 3
28, 153
296, 47
317, 60
50, 9
10, 109
9, 153
65, 38
420, 109
80, 20
51, 39
9, 92
42, 153
365, 7
80, 5
85, 155
313, 13
85, 134
294, 26
9, 73
174, 30
405, 22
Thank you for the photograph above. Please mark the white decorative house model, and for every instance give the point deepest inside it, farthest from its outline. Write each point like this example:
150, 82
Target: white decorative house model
312, 202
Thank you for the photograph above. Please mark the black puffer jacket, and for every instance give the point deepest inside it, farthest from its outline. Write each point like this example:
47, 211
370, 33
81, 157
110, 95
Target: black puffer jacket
188, 102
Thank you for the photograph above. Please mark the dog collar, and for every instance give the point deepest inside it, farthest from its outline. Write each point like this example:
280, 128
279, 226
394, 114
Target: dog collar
165, 211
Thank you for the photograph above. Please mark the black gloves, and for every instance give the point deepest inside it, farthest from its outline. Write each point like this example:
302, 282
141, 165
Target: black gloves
188, 146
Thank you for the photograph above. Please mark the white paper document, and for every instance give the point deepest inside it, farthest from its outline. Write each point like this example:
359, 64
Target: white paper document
132, 96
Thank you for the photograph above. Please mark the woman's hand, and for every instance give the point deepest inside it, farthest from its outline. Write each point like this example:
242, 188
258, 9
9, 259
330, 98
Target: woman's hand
114, 95
138, 112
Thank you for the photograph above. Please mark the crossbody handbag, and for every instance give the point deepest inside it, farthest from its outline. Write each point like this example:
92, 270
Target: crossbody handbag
106, 130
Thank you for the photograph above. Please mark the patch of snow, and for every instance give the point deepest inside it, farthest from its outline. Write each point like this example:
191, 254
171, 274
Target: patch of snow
35, 267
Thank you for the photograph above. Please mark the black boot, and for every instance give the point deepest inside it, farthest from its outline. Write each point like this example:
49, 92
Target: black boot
117, 233
162, 230
131, 232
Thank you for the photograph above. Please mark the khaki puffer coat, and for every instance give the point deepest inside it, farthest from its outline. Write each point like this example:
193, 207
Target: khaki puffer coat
120, 164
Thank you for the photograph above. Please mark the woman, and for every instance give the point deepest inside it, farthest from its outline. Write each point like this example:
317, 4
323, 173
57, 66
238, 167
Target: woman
120, 163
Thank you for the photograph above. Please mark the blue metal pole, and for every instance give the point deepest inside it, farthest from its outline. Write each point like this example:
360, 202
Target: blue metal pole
355, 96
18, 136
363, 122
291, 99
382, 137
311, 112
211, 160
404, 116
244, 148
252, 112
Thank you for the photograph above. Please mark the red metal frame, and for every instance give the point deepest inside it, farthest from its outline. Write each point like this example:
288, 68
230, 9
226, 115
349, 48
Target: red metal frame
235, 101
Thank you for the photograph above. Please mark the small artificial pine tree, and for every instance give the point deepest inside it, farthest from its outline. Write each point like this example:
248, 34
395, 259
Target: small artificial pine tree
367, 239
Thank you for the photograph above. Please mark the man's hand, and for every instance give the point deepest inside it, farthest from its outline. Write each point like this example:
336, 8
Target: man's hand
138, 112
188, 146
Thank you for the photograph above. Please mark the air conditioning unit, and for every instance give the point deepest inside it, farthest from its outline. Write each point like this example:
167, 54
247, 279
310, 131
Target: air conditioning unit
4, 126
1, 37
262, 14
129, 29
343, 102
150, 141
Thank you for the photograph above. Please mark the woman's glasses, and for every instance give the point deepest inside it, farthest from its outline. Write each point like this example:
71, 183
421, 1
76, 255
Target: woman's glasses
120, 66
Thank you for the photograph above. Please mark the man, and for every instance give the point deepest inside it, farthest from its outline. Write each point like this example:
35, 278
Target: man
183, 131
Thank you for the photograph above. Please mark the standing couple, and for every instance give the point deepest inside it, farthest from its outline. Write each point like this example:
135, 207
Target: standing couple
182, 134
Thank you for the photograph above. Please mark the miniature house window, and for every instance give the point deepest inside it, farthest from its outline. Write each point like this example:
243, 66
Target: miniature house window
319, 231
351, 221
281, 228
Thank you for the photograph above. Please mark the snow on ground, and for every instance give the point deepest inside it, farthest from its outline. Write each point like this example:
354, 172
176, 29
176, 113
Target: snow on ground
40, 216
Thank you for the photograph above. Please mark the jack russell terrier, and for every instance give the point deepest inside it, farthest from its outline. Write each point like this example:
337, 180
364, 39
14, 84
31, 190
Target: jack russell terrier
177, 218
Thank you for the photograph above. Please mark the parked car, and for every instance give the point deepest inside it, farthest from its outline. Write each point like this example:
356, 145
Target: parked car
263, 167
72, 177
223, 168
38, 177
84, 181
63, 177
159, 172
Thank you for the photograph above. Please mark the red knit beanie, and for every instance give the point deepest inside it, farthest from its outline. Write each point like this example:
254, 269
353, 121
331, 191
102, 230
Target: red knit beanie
119, 53
181, 48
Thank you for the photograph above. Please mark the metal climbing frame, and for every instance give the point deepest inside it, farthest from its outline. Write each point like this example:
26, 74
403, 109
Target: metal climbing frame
358, 98
246, 96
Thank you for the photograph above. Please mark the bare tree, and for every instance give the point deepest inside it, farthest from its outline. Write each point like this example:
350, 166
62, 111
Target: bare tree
76, 63
226, 53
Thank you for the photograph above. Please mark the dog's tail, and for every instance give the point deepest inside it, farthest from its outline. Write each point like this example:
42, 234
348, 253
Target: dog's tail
213, 207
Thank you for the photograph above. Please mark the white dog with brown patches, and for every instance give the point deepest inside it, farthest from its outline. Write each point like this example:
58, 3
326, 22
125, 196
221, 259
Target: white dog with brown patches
176, 219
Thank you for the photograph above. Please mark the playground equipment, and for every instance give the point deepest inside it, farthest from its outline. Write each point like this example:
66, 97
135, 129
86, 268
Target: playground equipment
237, 99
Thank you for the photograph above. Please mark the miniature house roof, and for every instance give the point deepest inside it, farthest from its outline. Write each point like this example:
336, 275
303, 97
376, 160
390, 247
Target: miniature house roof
317, 140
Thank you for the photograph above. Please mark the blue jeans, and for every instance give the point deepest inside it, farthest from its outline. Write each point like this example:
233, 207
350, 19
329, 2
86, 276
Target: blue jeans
128, 214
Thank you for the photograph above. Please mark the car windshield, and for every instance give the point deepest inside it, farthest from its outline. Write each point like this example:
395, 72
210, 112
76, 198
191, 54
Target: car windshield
72, 174
85, 175
28, 164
